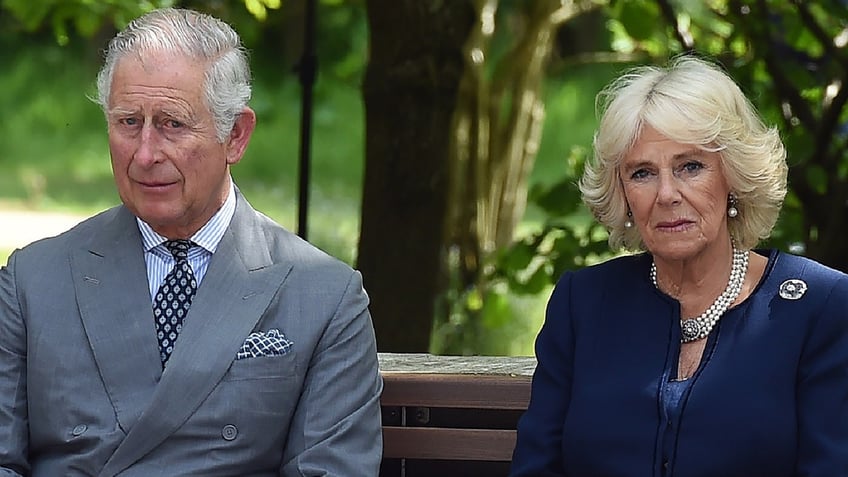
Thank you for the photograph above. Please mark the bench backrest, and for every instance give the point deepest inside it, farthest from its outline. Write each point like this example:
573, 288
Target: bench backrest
450, 416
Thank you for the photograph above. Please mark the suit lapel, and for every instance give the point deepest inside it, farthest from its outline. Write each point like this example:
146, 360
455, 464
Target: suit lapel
239, 285
110, 280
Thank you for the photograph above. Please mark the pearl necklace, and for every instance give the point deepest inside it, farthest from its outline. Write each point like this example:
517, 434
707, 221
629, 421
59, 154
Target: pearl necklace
693, 329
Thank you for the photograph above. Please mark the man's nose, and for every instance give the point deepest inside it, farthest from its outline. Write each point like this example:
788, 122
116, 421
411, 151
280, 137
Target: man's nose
148, 151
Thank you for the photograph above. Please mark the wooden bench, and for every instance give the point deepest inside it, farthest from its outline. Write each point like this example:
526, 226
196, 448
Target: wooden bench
451, 415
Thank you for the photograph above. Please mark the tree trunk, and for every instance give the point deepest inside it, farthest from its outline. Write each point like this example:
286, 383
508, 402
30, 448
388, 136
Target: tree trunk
497, 131
410, 90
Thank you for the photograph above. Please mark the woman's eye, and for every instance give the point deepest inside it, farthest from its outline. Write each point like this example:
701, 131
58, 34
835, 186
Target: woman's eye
692, 166
639, 174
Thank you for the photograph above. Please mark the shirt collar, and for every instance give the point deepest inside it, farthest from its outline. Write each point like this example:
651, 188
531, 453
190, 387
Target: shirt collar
208, 237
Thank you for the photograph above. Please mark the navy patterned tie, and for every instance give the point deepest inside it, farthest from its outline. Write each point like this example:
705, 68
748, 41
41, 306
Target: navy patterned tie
172, 301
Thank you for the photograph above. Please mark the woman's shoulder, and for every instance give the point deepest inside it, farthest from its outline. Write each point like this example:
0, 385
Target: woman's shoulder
792, 276
788, 264
624, 274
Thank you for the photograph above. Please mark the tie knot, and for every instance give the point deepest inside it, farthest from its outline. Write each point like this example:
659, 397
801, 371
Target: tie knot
178, 248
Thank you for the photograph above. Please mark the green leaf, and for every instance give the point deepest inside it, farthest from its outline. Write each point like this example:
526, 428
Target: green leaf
86, 23
31, 13
560, 199
256, 8
817, 178
496, 310
537, 282
474, 300
517, 257
640, 19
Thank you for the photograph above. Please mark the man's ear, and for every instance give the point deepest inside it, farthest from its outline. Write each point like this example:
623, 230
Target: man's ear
240, 135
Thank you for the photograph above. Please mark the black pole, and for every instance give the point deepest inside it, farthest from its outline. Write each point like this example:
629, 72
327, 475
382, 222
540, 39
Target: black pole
307, 70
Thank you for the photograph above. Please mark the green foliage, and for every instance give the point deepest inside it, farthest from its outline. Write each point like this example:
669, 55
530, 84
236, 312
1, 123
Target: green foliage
85, 18
560, 233
497, 123
259, 8
638, 19
508, 322
44, 121
568, 239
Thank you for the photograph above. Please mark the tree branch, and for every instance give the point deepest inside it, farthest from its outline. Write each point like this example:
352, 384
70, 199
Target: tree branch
785, 92
670, 16
819, 33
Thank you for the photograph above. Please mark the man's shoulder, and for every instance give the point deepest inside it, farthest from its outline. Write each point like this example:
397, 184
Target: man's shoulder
286, 246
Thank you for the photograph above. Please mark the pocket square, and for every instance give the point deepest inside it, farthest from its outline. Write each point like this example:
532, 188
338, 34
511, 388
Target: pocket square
264, 343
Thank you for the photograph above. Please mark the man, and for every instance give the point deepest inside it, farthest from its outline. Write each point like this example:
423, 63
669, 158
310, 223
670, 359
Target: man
183, 333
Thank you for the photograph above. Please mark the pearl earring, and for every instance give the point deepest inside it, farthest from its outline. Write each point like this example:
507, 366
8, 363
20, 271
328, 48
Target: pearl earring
732, 211
629, 222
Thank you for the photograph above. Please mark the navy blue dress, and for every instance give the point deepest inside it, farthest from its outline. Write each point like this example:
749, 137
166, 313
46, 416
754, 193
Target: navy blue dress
769, 398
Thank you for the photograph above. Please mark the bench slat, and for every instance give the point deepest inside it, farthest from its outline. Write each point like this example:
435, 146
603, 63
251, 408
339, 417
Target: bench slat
456, 390
448, 444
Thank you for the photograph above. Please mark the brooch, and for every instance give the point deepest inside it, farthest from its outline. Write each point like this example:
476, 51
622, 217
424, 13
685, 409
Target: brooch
792, 289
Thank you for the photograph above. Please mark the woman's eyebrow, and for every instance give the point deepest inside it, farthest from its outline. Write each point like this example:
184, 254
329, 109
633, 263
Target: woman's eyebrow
694, 152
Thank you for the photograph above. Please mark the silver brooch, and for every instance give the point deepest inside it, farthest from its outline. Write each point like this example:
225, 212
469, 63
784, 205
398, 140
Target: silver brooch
792, 289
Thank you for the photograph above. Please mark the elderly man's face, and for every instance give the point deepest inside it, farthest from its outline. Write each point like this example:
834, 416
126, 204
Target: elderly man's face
169, 167
678, 196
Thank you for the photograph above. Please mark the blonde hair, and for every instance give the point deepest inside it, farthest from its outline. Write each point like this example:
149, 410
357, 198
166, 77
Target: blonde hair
690, 101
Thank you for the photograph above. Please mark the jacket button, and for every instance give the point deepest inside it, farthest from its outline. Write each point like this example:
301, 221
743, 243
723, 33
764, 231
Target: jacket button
79, 430
229, 432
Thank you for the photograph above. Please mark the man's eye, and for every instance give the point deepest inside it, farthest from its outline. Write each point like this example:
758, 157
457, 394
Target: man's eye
173, 124
128, 121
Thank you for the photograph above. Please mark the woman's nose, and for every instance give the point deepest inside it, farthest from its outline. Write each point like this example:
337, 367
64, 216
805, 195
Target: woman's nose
669, 190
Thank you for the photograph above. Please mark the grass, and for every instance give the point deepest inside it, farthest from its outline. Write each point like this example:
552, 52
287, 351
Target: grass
56, 154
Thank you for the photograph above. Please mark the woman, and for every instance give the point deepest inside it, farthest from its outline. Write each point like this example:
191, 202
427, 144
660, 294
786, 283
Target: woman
701, 356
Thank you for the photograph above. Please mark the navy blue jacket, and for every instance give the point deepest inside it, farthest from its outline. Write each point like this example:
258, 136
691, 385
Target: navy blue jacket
770, 397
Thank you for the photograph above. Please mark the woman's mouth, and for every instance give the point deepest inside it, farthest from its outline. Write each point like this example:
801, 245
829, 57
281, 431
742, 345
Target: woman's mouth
674, 225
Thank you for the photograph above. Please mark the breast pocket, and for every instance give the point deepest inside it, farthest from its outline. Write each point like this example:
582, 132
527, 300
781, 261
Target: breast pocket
263, 367
257, 395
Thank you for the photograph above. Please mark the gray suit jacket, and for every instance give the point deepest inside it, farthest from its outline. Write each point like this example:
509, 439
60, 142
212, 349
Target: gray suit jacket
82, 391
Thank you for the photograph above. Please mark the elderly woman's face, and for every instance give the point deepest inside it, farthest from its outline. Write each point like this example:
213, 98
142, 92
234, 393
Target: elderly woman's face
677, 194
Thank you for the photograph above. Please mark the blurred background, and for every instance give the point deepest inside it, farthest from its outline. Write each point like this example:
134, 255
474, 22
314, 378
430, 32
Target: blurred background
444, 137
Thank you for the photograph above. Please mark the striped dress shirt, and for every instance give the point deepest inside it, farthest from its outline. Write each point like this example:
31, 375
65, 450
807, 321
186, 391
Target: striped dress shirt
160, 261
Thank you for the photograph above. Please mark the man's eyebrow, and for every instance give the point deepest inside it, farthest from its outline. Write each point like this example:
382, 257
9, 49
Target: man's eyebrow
116, 111
178, 113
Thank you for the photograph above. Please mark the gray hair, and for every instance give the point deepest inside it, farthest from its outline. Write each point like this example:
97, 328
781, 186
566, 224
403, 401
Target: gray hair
198, 36
691, 101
